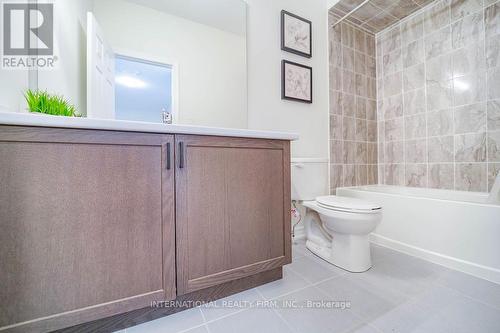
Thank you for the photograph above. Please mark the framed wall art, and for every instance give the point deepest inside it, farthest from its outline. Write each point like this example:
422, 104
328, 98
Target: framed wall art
296, 82
296, 34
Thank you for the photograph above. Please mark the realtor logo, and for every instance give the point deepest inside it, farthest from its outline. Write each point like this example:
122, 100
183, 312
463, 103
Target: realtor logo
28, 35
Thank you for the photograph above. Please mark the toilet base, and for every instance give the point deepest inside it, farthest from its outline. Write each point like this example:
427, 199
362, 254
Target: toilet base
349, 252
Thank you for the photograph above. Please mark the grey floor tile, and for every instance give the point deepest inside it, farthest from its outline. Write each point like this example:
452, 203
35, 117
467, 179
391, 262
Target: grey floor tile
200, 329
250, 321
317, 320
479, 289
400, 293
364, 328
459, 312
180, 321
314, 269
367, 301
230, 304
408, 280
380, 253
409, 317
291, 282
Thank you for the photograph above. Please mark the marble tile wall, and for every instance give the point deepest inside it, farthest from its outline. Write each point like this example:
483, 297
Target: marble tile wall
438, 97
353, 107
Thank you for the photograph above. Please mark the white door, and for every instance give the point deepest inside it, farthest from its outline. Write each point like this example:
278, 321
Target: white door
100, 73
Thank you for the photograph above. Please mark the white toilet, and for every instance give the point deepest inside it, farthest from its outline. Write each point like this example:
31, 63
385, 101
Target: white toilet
337, 228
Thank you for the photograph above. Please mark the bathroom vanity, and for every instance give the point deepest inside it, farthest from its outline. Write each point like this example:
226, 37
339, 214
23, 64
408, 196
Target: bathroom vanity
102, 221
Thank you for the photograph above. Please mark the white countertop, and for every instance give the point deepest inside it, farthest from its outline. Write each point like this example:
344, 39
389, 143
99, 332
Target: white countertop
30, 119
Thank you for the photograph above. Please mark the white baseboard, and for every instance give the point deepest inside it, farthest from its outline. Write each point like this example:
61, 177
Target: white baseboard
480, 271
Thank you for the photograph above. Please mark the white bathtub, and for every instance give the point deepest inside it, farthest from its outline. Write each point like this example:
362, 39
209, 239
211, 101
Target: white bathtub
452, 228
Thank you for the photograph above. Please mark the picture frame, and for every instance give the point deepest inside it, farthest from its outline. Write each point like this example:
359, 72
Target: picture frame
296, 82
296, 34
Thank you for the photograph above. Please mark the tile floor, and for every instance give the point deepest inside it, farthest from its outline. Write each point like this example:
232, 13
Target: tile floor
399, 294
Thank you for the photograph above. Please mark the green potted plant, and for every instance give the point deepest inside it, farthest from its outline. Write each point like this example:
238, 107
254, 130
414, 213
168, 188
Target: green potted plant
43, 102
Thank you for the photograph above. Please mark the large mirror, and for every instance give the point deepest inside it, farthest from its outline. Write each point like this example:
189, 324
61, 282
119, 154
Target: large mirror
146, 60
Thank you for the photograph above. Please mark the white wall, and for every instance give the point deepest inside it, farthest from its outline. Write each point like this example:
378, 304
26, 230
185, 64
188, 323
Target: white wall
212, 62
13, 83
266, 110
69, 78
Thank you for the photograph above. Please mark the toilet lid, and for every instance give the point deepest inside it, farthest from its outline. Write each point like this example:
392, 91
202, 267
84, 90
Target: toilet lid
346, 203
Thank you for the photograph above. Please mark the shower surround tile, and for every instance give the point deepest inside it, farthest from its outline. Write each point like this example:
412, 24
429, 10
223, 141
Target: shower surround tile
412, 28
416, 151
349, 177
394, 152
335, 102
348, 128
493, 52
394, 129
492, 20
440, 149
437, 43
414, 77
441, 176
371, 152
359, 63
392, 62
335, 127
392, 107
494, 146
420, 100
348, 105
439, 69
493, 170
413, 53
470, 59
467, 30
394, 174
440, 123
415, 126
470, 147
493, 108
437, 16
336, 173
353, 125
348, 59
439, 95
461, 8
470, 118
336, 156
493, 75
471, 177
416, 175
392, 84
469, 89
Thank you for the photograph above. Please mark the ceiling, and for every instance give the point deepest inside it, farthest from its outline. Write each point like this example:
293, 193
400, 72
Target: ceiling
227, 15
376, 15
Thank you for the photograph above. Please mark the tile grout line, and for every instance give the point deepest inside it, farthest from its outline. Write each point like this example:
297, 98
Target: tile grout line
287, 324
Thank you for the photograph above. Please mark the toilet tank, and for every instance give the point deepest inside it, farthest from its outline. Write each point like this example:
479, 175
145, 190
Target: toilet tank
309, 178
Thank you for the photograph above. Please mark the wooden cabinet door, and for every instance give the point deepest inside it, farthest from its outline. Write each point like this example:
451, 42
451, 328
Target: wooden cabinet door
232, 209
87, 225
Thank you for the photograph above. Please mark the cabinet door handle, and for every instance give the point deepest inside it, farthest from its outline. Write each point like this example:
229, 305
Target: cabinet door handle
181, 155
168, 155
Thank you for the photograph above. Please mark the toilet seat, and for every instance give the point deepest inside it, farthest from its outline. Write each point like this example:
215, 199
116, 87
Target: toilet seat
347, 204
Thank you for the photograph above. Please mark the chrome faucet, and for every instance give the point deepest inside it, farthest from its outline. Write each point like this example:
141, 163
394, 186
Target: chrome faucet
166, 117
